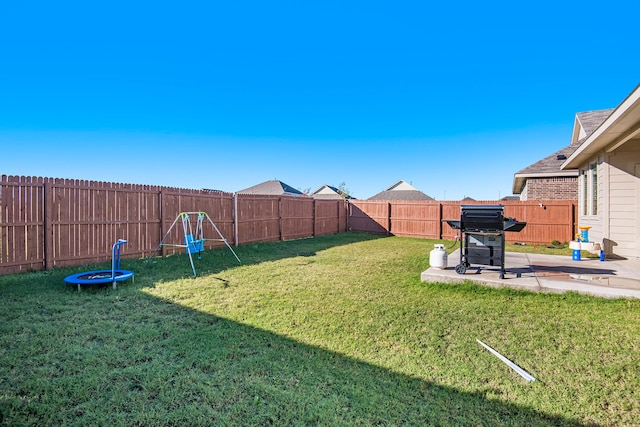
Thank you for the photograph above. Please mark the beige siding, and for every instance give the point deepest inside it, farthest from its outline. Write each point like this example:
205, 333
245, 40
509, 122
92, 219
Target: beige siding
624, 188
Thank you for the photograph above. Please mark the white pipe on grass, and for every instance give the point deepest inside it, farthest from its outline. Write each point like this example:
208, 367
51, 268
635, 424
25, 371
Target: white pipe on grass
524, 374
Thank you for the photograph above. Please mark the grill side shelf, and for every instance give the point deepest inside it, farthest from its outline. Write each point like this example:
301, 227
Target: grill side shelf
512, 226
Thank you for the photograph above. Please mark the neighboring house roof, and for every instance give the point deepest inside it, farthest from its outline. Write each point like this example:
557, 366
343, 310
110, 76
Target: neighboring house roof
401, 190
272, 188
328, 192
618, 128
585, 124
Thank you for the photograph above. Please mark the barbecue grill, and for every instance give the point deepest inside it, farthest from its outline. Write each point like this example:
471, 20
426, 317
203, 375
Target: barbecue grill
482, 241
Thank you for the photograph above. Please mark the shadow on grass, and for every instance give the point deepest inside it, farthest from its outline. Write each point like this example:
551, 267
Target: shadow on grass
127, 358
218, 259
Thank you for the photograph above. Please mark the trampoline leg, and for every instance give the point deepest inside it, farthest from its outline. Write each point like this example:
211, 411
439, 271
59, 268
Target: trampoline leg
78, 287
114, 284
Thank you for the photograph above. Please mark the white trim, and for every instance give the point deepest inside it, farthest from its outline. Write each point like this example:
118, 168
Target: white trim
520, 179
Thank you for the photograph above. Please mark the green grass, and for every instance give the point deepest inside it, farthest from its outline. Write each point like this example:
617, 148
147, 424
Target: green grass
335, 330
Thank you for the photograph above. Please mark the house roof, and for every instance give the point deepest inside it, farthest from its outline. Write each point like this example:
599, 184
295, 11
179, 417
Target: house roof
551, 166
401, 190
621, 126
586, 122
272, 188
328, 192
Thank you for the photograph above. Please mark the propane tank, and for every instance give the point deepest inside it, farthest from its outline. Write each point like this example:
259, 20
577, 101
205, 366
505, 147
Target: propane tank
438, 257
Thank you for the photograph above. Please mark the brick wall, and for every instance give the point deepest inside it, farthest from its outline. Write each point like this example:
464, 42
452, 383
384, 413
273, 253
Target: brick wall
557, 188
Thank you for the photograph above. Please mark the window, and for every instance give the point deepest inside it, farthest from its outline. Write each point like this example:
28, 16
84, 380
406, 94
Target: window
589, 189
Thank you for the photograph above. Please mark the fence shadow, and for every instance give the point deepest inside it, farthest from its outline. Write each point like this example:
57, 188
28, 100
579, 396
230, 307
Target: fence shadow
221, 372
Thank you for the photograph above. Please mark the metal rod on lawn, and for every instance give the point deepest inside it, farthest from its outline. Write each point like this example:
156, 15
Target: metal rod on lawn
524, 374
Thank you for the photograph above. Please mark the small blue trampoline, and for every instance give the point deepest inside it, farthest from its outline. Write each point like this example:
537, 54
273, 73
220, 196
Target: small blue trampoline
98, 277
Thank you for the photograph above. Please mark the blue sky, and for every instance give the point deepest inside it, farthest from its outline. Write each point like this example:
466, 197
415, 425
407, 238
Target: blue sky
453, 98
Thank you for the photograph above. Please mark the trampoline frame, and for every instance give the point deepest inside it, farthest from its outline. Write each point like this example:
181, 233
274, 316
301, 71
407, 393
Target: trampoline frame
96, 277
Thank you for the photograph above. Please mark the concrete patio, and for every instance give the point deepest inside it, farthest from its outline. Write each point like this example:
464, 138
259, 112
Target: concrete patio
549, 273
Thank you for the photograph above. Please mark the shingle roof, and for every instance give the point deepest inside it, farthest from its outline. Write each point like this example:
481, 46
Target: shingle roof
550, 165
272, 188
590, 120
328, 192
620, 128
401, 190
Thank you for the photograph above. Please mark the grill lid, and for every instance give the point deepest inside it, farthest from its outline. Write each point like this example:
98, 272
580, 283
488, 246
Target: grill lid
482, 218
485, 218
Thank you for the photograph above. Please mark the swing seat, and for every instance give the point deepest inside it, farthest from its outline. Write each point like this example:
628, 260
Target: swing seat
193, 245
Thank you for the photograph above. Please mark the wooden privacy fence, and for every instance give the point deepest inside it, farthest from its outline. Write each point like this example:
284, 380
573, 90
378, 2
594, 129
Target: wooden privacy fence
47, 223
546, 220
271, 218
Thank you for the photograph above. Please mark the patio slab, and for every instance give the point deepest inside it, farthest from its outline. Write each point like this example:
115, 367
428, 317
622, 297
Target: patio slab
548, 273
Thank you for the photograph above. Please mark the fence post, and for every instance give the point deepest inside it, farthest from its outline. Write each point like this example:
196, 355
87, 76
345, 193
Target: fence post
161, 213
235, 219
439, 221
313, 215
389, 219
347, 212
280, 218
48, 225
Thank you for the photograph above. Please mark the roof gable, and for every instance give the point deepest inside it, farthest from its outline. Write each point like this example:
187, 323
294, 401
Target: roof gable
401, 190
329, 192
621, 126
401, 186
587, 122
272, 188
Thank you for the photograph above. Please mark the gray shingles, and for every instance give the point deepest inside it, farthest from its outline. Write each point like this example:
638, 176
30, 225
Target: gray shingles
272, 188
401, 190
590, 120
550, 164
327, 192
401, 195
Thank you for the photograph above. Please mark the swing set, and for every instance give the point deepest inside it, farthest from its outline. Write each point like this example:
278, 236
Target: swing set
193, 241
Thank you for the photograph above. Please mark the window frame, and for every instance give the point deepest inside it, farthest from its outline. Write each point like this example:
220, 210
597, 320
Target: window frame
588, 187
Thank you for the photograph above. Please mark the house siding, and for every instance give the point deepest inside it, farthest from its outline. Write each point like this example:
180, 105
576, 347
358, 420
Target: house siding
617, 224
624, 188
615, 143
551, 188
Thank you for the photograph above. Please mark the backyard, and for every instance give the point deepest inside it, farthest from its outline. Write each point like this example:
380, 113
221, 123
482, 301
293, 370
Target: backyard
331, 330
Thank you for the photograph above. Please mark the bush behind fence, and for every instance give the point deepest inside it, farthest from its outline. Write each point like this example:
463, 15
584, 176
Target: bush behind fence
47, 222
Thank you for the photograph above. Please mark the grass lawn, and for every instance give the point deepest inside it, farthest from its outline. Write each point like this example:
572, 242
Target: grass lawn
334, 330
